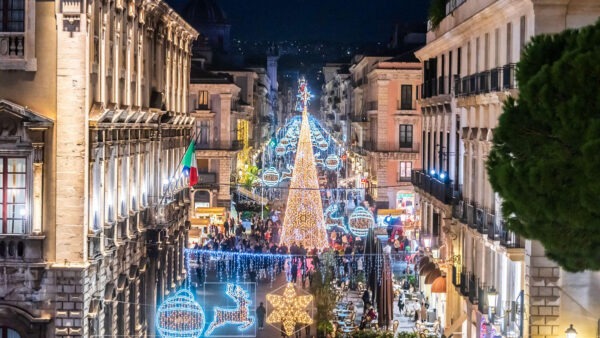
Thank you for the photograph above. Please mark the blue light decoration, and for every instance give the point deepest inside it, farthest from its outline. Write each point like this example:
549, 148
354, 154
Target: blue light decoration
239, 315
332, 162
270, 177
180, 316
360, 221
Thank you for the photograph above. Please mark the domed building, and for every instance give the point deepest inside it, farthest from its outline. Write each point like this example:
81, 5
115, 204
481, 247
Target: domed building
206, 16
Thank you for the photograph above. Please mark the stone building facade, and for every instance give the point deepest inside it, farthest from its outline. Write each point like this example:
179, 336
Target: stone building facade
469, 71
386, 125
94, 122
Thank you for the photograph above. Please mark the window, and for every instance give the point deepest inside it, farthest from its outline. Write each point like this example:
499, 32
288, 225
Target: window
404, 171
406, 135
13, 187
202, 165
203, 100
6, 332
406, 97
12, 15
203, 132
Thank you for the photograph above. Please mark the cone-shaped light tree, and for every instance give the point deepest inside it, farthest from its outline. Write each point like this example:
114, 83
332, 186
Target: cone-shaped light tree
303, 222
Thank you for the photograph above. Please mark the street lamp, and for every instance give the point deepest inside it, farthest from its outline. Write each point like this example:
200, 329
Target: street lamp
571, 333
492, 297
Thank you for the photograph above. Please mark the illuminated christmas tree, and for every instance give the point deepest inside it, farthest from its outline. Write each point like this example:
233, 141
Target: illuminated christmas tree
303, 222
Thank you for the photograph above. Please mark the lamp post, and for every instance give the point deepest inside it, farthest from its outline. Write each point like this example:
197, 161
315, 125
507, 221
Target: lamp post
492, 298
570, 332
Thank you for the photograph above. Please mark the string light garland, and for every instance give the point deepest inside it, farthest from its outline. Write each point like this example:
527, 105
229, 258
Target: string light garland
303, 221
289, 309
180, 316
239, 315
360, 221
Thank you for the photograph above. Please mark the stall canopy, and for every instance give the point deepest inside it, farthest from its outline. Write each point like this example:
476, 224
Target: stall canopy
432, 275
439, 285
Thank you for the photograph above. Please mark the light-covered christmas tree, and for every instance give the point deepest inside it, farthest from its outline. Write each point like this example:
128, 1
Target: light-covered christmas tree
303, 222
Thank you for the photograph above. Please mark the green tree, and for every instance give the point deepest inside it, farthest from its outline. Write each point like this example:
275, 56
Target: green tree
545, 160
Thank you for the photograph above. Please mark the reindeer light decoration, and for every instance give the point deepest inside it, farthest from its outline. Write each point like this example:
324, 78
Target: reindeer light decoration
235, 316
333, 221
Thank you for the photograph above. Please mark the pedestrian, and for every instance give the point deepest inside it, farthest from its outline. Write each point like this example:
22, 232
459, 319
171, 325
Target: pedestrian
400, 304
260, 316
366, 298
307, 330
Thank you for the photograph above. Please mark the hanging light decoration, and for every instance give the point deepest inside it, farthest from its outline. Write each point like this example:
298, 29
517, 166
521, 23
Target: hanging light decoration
180, 316
289, 309
280, 150
332, 162
360, 221
270, 177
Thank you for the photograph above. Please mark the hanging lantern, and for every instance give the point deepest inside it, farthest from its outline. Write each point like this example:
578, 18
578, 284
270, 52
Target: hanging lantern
332, 162
284, 141
270, 177
360, 221
180, 316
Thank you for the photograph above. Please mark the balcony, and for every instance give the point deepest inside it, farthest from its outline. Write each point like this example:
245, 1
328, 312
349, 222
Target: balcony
501, 78
473, 289
21, 249
202, 107
451, 5
442, 191
499, 232
391, 147
14, 43
206, 180
221, 145
429, 89
359, 118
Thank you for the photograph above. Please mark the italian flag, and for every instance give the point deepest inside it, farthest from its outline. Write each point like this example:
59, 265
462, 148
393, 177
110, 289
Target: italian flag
189, 164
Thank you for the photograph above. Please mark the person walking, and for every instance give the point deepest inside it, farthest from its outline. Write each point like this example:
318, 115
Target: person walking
260, 316
400, 304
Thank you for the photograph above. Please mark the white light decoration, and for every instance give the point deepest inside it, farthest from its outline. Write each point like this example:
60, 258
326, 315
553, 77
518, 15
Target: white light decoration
233, 316
323, 145
180, 316
270, 177
289, 309
360, 221
280, 150
284, 141
303, 222
331, 221
332, 162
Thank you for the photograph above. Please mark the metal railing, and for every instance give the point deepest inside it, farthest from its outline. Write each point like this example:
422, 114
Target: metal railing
221, 145
451, 5
372, 105
442, 191
496, 79
391, 147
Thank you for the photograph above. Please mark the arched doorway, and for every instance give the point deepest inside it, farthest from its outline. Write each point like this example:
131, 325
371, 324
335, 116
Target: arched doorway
6, 332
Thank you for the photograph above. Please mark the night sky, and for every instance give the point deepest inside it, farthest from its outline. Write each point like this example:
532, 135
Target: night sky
329, 20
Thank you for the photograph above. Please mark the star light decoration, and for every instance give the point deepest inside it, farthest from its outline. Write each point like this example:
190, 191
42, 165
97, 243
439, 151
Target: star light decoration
180, 316
237, 315
289, 309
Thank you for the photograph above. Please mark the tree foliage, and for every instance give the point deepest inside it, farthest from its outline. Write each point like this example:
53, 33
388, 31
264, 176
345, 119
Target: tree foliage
545, 160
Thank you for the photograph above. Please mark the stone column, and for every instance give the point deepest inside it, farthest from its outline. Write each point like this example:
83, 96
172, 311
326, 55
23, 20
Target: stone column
542, 293
72, 155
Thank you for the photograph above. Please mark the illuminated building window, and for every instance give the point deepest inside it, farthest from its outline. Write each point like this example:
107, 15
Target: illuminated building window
13, 196
406, 135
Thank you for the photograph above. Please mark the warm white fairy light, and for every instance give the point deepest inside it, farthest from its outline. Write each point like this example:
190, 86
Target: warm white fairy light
180, 316
289, 309
303, 222
360, 221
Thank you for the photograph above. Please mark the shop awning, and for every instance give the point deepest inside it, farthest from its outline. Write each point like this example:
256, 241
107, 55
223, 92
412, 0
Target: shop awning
432, 276
392, 212
211, 211
439, 285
